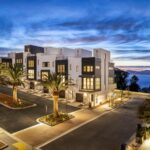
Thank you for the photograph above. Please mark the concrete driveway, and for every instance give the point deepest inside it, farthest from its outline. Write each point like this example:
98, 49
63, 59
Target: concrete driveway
105, 133
15, 120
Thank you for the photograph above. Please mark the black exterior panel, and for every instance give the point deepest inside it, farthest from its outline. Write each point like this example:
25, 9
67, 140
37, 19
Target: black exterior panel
6, 60
62, 62
33, 49
32, 68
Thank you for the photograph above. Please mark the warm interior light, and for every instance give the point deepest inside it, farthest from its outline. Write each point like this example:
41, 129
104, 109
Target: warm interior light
145, 145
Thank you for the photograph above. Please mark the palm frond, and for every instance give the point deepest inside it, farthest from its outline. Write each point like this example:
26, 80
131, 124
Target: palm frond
13, 76
54, 82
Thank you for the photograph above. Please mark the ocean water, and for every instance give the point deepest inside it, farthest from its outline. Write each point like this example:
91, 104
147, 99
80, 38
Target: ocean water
144, 80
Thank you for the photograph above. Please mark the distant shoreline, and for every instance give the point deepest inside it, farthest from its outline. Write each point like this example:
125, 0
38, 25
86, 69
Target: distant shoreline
144, 79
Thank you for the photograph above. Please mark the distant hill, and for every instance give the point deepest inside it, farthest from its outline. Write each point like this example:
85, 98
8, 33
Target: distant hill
144, 72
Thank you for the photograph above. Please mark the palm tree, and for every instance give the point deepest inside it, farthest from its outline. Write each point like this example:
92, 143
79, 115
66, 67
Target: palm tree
13, 76
55, 83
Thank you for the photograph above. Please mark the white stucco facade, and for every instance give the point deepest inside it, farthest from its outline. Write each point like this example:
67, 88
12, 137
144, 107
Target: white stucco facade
46, 61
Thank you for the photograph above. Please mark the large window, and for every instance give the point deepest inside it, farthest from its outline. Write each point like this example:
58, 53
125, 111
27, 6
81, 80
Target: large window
88, 83
30, 74
61, 68
88, 69
97, 83
30, 63
97, 67
44, 75
63, 79
6, 64
19, 61
45, 64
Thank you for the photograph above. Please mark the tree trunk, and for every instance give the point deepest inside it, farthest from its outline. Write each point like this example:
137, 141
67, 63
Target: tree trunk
55, 106
15, 98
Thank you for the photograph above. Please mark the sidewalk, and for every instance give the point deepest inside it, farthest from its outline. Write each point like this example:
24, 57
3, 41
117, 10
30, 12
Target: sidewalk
42, 134
10, 141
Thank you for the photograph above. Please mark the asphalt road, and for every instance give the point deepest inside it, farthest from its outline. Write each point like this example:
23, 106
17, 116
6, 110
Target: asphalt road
105, 133
15, 120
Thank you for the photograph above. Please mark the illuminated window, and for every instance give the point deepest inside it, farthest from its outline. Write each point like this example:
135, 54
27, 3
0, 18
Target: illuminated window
45, 64
31, 74
61, 68
19, 61
6, 64
88, 83
97, 83
97, 67
63, 79
84, 68
30, 63
84, 83
88, 68
44, 75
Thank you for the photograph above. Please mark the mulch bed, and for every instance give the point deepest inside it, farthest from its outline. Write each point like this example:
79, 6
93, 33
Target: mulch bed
52, 121
2, 145
7, 100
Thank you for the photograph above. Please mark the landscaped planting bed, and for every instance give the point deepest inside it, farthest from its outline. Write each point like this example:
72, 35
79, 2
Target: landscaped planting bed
143, 129
2, 145
144, 112
52, 120
8, 102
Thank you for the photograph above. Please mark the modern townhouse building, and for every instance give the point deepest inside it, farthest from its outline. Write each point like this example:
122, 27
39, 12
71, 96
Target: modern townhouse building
6, 61
95, 77
91, 71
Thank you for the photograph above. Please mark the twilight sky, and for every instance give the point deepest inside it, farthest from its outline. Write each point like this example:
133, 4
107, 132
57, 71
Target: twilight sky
121, 26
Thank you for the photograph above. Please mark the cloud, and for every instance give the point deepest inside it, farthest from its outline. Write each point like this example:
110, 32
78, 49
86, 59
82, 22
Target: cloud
118, 30
131, 51
87, 39
5, 50
143, 58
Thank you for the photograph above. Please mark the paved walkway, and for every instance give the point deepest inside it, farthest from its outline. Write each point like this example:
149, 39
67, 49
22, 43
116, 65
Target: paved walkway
11, 141
145, 145
41, 133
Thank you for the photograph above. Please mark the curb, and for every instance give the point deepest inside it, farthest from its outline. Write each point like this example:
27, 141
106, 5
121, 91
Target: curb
33, 105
